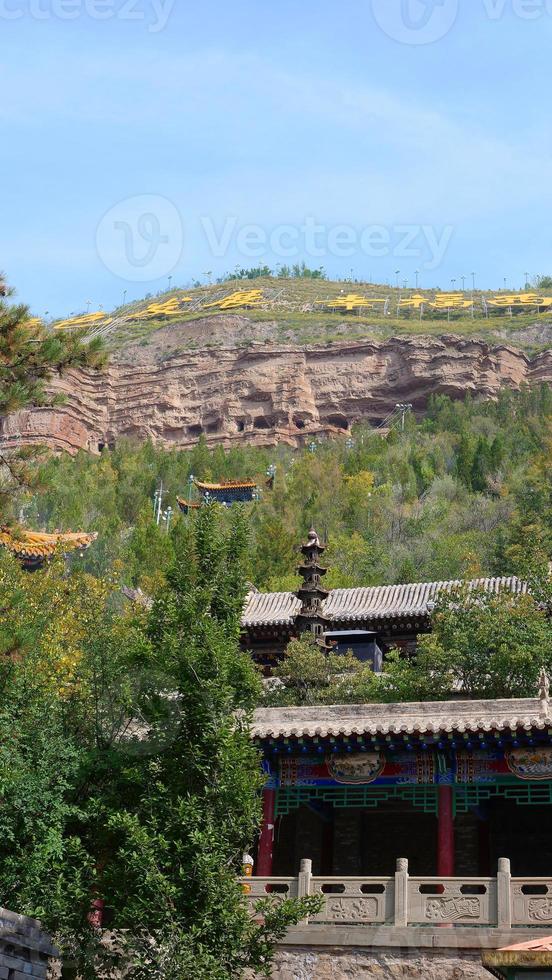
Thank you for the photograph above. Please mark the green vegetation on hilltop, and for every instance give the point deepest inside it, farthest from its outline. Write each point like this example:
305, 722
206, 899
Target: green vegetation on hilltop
301, 309
464, 492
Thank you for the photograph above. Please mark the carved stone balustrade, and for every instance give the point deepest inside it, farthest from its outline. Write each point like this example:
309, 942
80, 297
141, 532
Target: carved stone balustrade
402, 901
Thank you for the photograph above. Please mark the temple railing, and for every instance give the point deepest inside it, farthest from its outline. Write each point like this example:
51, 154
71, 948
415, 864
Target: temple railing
502, 902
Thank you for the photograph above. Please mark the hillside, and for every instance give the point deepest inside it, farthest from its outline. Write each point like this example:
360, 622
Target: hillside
272, 361
307, 311
448, 497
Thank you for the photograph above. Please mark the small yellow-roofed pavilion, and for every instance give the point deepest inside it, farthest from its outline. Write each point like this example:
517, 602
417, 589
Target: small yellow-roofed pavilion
33, 548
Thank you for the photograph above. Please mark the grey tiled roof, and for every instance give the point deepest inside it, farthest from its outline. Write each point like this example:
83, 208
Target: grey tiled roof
403, 719
370, 604
271, 609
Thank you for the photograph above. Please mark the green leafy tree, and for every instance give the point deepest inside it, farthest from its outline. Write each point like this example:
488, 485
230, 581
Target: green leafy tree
64, 704
309, 674
482, 646
127, 770
178, 836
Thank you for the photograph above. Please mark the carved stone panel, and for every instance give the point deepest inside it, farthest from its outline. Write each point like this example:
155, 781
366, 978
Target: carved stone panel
353, 910
540, 909
452, 909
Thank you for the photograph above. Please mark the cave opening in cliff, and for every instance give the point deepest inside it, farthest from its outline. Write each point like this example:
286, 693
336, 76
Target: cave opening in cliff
338, 420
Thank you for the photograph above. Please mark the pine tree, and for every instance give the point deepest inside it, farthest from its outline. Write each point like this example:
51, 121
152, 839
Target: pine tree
464, 459
29, 355
480, 466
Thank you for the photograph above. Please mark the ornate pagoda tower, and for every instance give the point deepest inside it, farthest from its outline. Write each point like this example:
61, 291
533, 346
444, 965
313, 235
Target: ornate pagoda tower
311, 593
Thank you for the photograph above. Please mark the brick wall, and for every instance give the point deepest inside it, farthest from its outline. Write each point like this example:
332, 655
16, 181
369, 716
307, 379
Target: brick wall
25, 951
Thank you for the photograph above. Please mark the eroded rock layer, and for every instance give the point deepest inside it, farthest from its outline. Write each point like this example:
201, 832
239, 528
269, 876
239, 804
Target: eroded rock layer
264, 392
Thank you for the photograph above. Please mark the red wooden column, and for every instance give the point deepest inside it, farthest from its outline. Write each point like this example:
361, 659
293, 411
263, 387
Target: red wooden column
266, 840
445, 843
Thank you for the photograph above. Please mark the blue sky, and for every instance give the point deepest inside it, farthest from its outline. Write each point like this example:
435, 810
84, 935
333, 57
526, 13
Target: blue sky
144, 138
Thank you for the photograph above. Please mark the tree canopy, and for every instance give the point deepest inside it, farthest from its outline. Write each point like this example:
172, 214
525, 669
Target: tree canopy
128, 774
482, 645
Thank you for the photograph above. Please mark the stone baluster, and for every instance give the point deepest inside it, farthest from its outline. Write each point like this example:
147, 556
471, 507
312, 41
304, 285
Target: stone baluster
305, 876
401, 893
504, 894
304, 881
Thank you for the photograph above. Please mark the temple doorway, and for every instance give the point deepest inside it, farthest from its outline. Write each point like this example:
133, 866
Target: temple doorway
356, 841
366, 841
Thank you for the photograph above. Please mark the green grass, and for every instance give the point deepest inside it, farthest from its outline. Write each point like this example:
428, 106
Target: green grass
294, 308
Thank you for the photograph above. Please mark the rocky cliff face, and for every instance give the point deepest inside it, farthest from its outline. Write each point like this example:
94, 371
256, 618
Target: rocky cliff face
263, 392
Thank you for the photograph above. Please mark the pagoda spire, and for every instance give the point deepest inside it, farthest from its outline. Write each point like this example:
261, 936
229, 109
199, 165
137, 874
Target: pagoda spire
311, 593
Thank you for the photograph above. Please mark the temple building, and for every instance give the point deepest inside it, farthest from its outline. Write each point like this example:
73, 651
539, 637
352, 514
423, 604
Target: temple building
227, 492
369, 621
187, 506
33, 548
453, 787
